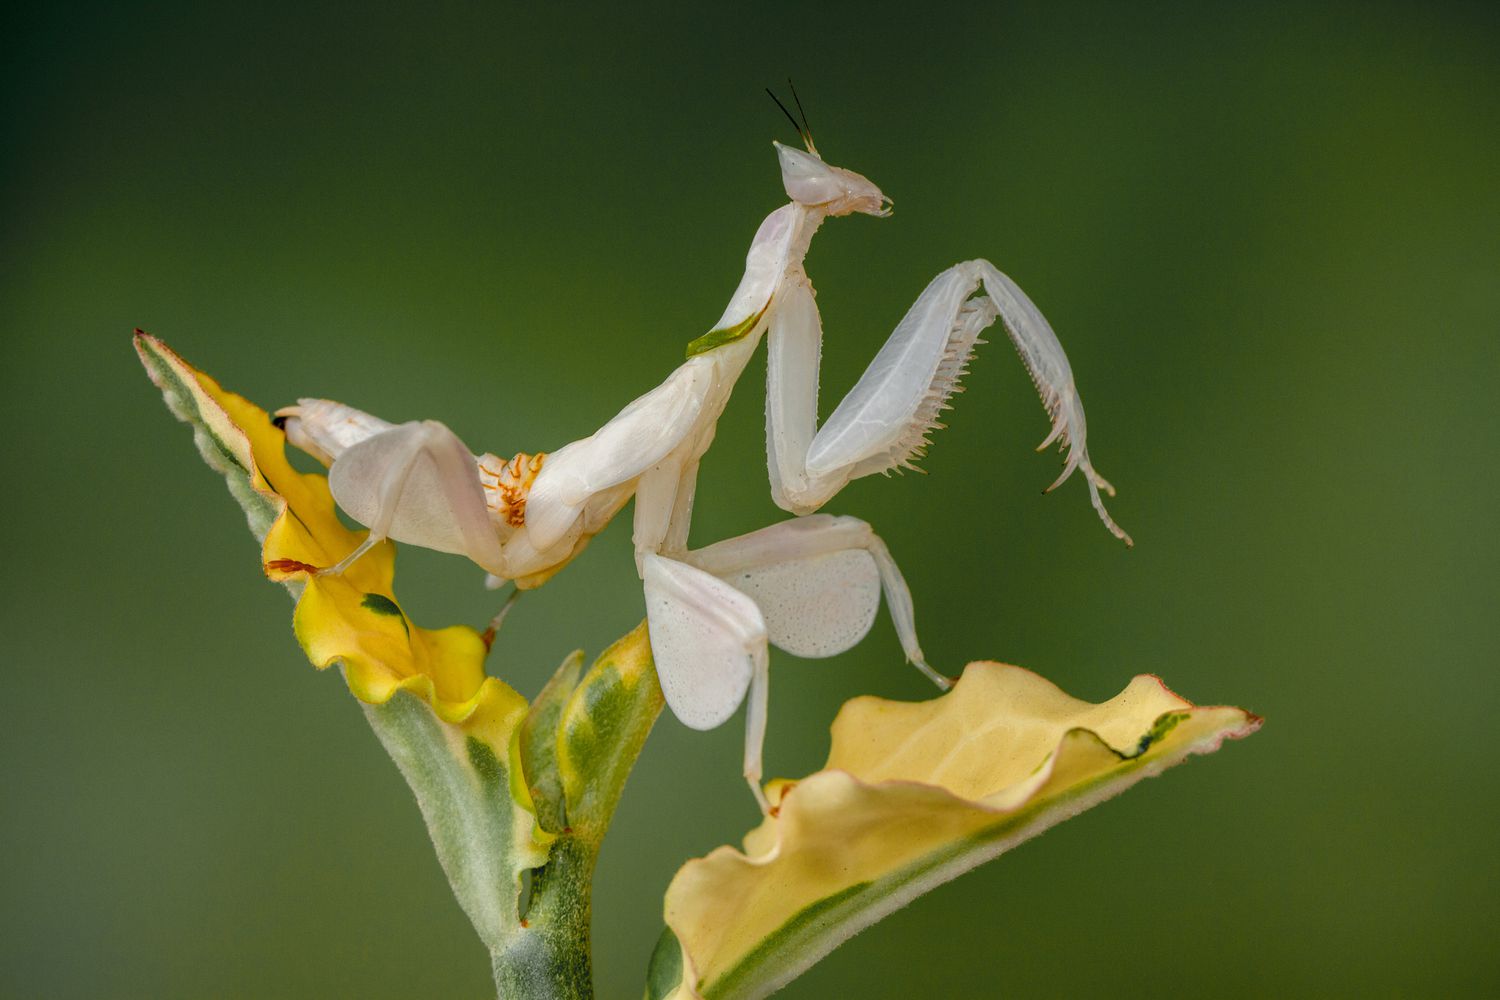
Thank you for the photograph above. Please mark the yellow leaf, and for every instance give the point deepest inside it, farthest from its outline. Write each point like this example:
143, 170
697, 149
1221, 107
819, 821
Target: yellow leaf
456, 737
353, 618
913, 794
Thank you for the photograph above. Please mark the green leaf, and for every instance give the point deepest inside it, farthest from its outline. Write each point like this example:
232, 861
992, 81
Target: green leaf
913, 795
603, 727
483, 839
539, 744
221, 442
664, 973
598, 729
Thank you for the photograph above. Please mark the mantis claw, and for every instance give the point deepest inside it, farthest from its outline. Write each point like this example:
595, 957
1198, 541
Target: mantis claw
766, 809
1057, 430
1068, 470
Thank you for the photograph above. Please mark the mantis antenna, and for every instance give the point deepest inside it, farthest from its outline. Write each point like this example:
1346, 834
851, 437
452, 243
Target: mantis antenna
802, 130
806, 126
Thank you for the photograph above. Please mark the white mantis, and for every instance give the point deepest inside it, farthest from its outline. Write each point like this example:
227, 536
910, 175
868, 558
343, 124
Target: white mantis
810, 585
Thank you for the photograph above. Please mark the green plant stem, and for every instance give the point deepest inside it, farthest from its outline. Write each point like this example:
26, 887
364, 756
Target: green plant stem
581, 741
550, 955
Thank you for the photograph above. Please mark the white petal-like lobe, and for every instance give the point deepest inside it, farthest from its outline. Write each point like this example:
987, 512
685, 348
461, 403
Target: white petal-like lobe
703, 632
817, 606
425, 514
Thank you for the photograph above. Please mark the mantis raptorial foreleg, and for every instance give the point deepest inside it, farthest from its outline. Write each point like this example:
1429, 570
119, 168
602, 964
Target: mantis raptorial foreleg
883, 423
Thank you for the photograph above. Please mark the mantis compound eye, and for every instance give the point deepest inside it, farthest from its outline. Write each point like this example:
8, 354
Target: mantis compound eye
807, 179
810, 181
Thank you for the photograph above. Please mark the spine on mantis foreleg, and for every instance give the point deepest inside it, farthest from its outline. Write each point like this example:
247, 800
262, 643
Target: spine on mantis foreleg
935, 338
947, 381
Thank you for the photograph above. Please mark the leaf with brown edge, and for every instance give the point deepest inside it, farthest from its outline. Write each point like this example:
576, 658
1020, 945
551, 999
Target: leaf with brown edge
451, 729
913, 795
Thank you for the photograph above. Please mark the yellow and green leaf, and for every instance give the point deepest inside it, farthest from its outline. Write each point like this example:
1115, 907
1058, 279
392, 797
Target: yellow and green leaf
602, 729
453, 731
913, 795
539, 743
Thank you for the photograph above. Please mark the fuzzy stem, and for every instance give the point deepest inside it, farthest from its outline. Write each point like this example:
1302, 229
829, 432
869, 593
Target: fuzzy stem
583, 750
550, 956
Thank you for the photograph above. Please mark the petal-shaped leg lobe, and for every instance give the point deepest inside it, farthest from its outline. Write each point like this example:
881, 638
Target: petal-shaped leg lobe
419, 484
815, 606
817, 580
706, 637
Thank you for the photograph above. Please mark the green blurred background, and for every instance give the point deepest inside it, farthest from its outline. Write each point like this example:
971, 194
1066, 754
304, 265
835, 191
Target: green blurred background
1267, 235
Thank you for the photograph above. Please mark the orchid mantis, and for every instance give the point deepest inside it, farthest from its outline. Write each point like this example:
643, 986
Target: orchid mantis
810, 585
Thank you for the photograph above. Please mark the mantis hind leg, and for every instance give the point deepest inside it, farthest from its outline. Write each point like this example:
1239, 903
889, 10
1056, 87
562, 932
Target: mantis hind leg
493, 628
818, 581
709, 644
415, 483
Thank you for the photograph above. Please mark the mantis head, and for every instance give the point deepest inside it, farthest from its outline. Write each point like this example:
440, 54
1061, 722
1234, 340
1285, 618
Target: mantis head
809, 181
